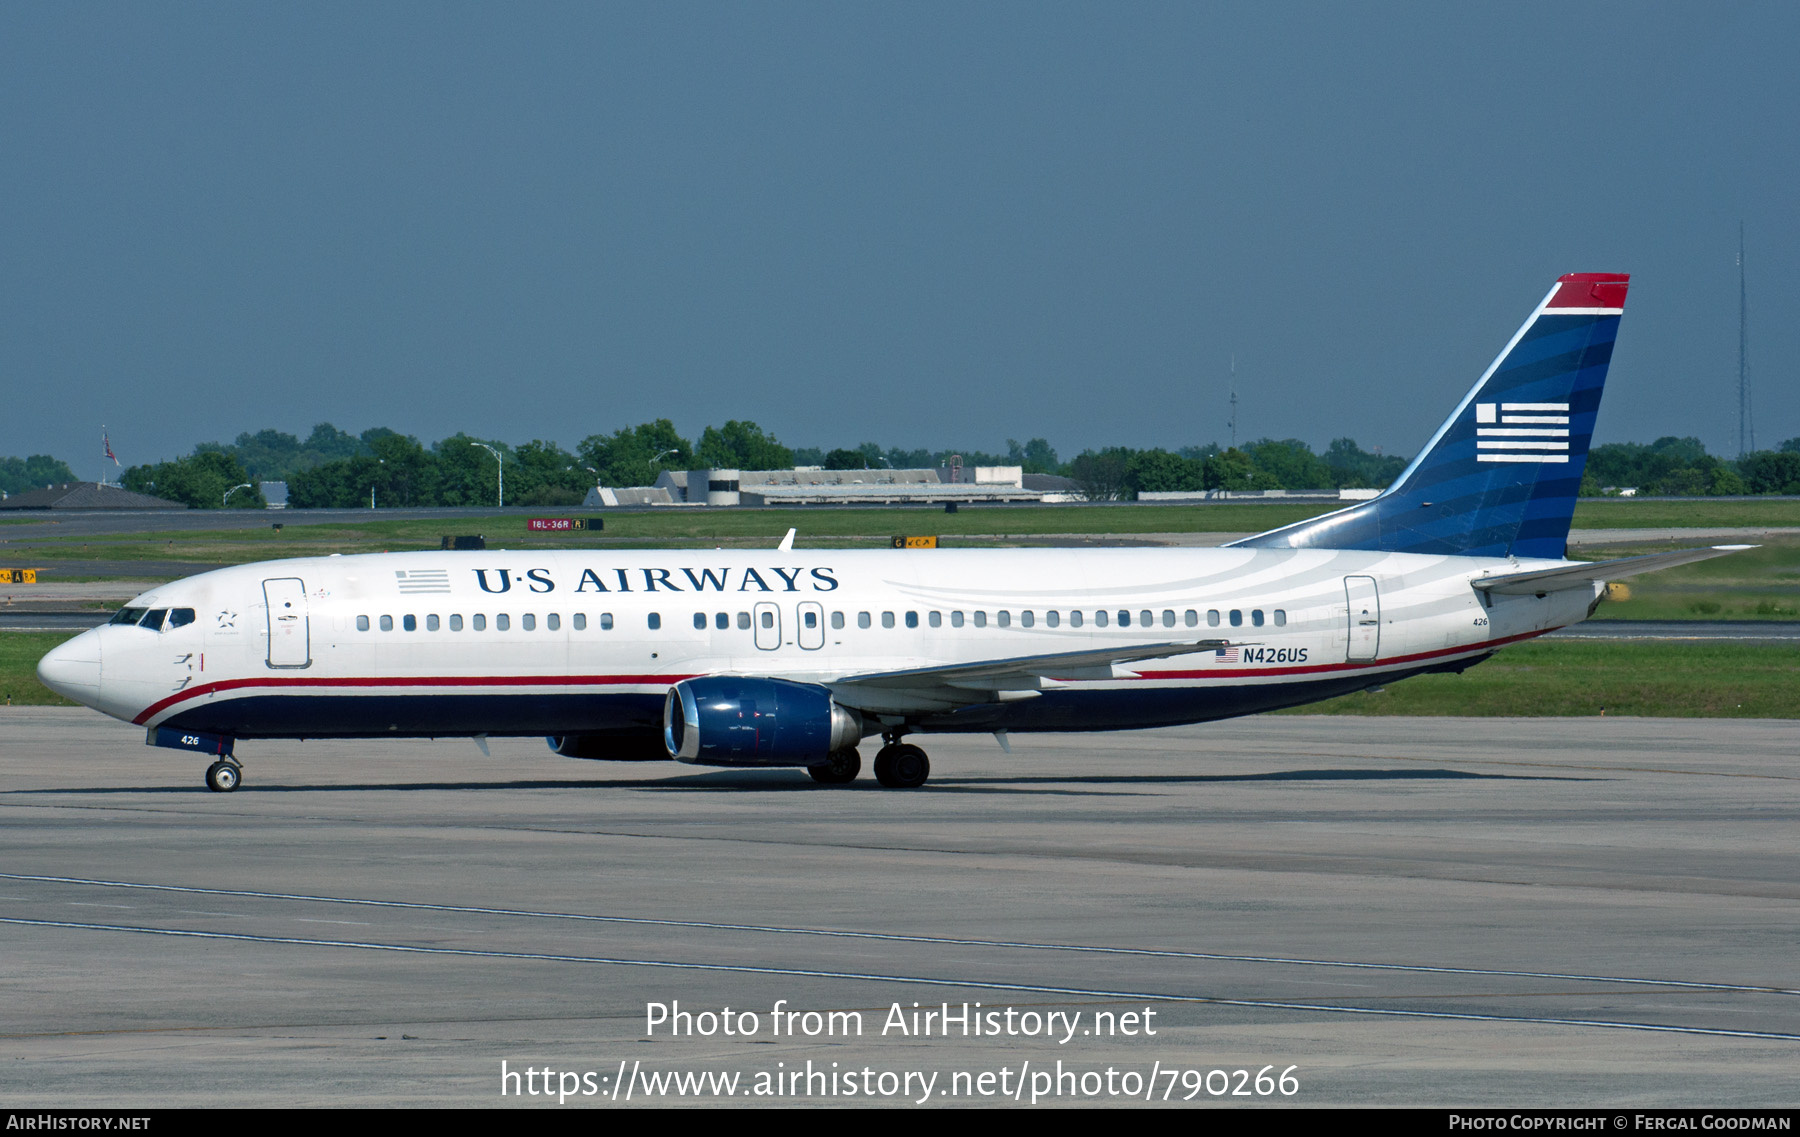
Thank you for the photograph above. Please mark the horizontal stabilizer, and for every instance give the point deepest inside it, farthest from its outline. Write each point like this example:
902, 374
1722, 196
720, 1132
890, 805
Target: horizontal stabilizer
1586, 575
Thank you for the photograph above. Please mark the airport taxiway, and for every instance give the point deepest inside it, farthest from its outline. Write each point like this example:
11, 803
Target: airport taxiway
1580, 912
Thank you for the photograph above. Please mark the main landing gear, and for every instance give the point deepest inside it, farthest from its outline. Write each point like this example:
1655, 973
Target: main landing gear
223, 776
898, 765
901, 765
840, 768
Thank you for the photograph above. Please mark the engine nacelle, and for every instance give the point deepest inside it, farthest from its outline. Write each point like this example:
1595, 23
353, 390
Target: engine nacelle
724, 720
636, 747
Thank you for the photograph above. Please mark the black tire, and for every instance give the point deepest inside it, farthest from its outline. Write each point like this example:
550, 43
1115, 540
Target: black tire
840, 768
222, 777
902, 766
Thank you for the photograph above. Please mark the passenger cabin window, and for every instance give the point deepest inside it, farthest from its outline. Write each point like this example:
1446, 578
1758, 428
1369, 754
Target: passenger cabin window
936, 619
1146, 618
362, 623
700, 621
579, 620
887, 619
480, 622
1237, 618
387, 623
912, 619
1124, 618
1212, 617
862, 619
431, 623
743, 621
1003, 618
410, 623
606, 621
810, 619
721, 621
502, 621
956, 619
553, 621
1281, 617
1075, 618
528, 621
768, 619
655, 621
1168, 617
1100, 618
455, 623
1256, 617
981, 619
837, 620
1191, 618
1027, 618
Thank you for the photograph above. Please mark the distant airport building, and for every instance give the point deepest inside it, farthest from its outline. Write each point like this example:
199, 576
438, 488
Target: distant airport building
86, 495
639, 495
812, 485
275, 493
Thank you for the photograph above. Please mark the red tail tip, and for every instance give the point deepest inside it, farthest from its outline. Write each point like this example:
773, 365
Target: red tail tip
1591, 290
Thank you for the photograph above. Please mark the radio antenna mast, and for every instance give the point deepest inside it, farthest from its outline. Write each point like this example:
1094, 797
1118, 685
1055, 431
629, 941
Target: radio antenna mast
1746, 423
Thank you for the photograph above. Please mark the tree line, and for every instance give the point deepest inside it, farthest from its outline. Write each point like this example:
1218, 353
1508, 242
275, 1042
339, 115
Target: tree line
333, 468
18, 475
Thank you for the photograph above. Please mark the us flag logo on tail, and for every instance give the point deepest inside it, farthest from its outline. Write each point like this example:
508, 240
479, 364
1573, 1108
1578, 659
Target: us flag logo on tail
1522, 432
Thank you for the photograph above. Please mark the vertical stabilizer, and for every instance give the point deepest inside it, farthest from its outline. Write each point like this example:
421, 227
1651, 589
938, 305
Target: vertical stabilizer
1501, 475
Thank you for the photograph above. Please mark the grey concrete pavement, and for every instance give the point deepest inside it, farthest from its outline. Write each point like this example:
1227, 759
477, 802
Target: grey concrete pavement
1604, 912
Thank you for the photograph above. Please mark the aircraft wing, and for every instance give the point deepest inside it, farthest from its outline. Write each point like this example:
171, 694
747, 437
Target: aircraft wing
997, 680
1586, 575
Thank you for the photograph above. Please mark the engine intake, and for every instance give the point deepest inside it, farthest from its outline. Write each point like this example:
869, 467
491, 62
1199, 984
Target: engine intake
728, 721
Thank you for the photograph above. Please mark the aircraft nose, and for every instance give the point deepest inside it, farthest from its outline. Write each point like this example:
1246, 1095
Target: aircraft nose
72, 669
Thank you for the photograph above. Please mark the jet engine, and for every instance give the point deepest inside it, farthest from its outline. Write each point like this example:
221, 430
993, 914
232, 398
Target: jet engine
728, 721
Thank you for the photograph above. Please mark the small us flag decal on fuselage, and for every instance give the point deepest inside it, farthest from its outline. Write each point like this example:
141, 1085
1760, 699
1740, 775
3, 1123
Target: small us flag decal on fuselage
422, 580
1522, 432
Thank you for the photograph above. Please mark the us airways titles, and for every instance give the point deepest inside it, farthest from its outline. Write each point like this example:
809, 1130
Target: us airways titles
665, 580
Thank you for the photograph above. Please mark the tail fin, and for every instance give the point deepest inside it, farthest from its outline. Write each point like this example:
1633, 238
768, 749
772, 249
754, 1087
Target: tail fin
1501, 475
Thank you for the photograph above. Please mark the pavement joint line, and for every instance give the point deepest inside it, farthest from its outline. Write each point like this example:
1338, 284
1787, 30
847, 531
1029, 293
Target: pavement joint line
896, 937
915, 980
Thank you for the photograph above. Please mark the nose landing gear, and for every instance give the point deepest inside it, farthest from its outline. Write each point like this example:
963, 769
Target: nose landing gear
223, 776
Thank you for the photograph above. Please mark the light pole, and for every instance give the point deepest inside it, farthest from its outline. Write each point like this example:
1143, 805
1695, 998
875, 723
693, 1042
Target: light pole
231, 491
500, 481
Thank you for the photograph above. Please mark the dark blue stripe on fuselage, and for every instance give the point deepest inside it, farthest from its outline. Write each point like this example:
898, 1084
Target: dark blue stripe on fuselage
454, 715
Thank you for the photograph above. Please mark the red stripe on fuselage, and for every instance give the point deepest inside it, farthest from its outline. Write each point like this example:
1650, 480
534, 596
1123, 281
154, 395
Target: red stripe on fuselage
1238, 672
416, 681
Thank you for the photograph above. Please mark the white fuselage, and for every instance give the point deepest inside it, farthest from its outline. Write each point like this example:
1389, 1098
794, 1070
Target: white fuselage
558, 642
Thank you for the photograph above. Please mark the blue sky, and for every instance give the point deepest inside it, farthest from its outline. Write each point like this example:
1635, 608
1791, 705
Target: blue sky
919, 224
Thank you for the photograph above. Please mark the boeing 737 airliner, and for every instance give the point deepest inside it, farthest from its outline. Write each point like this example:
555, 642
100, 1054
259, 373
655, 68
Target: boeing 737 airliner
791, 658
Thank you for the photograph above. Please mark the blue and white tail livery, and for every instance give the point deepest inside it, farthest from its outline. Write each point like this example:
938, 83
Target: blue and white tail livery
790, 656
1500, 477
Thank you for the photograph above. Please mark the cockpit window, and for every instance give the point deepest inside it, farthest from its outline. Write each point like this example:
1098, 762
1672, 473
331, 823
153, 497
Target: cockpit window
127, 616
153, 619
180, 617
